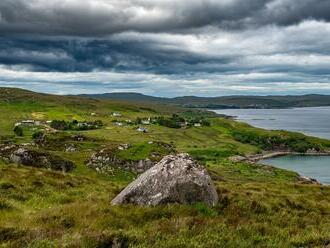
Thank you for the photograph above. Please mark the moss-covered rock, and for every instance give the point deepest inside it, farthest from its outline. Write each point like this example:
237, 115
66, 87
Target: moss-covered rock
29, 157
134, 158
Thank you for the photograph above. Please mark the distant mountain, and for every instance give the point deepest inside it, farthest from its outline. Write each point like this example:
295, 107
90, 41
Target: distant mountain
312, 100
11, 94
125, 96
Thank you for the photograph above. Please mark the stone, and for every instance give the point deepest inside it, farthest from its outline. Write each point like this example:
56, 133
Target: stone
308, 180
175, 179
105, 161
71, 148
29, 157
108, 160
237, 158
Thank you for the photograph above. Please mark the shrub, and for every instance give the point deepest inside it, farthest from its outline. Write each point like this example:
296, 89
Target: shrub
38, 137
18, 131
204, 210
45, 243
9, 234
59, 125
4, 205
274, 141
205, 122
6, 186
75, 125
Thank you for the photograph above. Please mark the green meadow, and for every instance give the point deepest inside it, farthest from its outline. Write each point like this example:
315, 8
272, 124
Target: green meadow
260, 206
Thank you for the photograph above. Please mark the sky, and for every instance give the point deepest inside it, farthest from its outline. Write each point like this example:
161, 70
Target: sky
166, 47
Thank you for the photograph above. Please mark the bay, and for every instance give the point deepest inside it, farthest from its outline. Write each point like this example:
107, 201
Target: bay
313, 121
317, 167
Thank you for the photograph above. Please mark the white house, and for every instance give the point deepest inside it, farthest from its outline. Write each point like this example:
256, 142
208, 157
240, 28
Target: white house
28, 122
145, 122
142, 129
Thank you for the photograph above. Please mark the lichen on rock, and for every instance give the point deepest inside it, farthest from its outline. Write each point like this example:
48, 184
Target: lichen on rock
175, 179
30, 157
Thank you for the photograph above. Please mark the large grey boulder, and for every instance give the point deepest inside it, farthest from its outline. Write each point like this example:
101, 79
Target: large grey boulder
175, 179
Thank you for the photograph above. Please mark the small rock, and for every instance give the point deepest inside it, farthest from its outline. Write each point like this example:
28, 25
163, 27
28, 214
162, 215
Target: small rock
237, 158
124, 147
70, 148
308, 180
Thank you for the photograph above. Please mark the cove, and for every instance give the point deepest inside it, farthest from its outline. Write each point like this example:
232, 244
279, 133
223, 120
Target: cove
317, 167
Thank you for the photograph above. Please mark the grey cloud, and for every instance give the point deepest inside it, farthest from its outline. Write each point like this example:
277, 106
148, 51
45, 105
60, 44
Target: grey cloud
169, 46
105, 17
299, 48
288, 12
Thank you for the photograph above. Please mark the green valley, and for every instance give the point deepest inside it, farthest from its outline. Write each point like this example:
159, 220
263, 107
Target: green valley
259, 205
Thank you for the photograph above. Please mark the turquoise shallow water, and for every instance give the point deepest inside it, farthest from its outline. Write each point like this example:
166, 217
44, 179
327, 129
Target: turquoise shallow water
310, 121
317, 167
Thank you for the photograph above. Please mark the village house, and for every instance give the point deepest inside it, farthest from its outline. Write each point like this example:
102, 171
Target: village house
86, 125
28, 122
142, 129
115, 114
146, 122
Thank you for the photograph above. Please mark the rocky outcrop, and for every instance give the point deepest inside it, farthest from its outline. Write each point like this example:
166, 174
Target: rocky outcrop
71, 148
308, 180
237, 158
108, 160
254, 158
175, 179
29, 157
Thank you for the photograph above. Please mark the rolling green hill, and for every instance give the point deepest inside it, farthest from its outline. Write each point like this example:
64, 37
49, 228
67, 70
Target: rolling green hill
260, 206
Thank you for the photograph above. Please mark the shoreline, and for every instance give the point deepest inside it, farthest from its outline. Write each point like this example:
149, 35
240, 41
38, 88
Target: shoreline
254, 159
272, 154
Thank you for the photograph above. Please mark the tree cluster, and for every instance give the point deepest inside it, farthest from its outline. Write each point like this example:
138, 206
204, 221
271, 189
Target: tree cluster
75, 125
267, 141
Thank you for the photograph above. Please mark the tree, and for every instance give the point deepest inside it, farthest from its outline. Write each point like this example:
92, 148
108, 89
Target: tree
59, 125
38, 137
18, 131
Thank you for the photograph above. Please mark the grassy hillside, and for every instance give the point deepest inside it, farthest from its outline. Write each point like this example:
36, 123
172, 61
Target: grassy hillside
260, 206
225, 101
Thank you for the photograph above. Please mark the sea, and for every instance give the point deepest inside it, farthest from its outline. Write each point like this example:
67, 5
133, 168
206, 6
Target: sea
312, 121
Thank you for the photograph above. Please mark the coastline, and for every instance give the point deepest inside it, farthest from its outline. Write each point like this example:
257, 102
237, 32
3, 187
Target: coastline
272, 154
280, 119
254, 159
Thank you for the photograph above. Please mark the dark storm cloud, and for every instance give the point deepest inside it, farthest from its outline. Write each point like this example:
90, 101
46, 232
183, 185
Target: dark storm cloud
288, 12
169, 46
88, 55
105, 17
